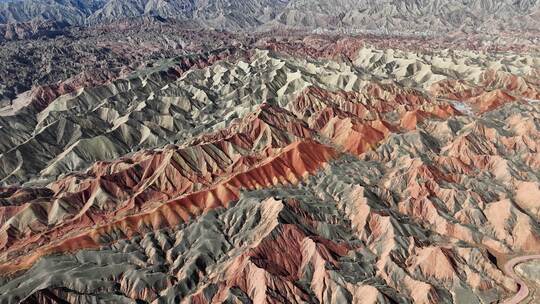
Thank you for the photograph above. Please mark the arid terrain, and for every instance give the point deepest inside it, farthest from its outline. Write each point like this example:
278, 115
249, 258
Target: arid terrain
269, 152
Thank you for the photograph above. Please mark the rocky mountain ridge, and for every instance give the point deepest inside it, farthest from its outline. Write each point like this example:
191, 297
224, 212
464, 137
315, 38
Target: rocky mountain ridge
428, 16
219, 151
365, 175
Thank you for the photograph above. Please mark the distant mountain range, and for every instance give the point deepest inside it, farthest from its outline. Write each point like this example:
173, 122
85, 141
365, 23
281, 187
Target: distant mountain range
388, 15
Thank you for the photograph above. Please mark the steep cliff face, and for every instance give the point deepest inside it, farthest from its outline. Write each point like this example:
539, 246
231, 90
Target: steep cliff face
287, 174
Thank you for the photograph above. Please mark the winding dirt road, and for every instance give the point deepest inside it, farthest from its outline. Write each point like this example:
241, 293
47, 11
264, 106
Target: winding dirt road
523, 291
